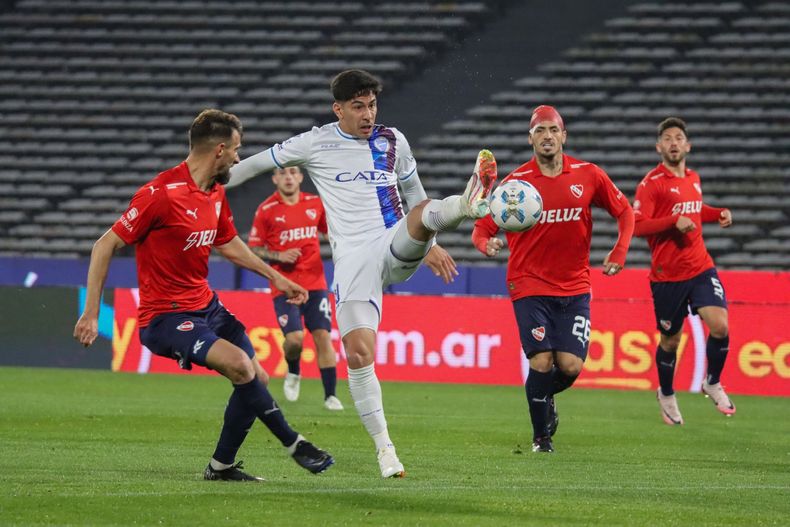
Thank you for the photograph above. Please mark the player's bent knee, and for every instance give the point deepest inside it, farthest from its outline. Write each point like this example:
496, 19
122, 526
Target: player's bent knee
670, 343
719, 329
542, 362
231, 361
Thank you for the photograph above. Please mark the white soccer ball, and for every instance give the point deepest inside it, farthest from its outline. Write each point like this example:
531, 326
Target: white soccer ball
516, 205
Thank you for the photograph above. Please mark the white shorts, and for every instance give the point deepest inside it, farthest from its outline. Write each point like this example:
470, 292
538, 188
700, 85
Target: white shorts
362, 275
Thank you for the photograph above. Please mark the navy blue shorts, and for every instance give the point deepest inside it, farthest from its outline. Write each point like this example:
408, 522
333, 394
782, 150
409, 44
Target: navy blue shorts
317, 312
554, 323
187, 336
671, 300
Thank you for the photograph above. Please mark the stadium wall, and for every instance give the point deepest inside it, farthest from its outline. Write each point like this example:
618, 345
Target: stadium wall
431, 338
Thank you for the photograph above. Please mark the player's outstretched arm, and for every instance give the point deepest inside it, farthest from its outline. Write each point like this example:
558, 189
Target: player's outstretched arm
251, 167
237, 252
87, 328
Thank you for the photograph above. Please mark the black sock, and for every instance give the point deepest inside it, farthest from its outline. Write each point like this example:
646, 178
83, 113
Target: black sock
238, 420
258, 398
716, 350
538, 388
560, 380
665, 364
329, 379
293, 365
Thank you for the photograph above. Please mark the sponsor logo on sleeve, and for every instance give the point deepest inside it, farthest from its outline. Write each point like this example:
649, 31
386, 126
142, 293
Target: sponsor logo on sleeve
132, 213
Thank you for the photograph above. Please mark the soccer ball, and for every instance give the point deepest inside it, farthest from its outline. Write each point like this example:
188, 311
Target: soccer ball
516, 205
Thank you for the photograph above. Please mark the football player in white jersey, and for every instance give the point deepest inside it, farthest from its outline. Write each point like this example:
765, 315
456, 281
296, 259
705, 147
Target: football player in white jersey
356, 166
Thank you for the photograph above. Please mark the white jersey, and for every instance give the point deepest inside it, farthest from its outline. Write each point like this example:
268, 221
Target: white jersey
355, 177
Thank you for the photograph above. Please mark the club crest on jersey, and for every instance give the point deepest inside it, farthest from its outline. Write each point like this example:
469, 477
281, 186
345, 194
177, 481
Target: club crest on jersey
539, 333
186, 326
311, 213
283, 320
666, 324
381, 144
132, 214
577, 190
698, 188
218, 207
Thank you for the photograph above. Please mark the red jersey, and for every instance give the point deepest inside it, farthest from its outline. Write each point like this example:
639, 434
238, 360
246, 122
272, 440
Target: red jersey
279, 226
174, 224
553, 257
660, 198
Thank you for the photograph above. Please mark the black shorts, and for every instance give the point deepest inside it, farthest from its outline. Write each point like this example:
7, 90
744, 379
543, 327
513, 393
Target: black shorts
672, 300
554, 323
317, 312
188, 335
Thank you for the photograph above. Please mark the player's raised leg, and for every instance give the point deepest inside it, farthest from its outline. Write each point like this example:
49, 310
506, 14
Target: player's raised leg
448, 213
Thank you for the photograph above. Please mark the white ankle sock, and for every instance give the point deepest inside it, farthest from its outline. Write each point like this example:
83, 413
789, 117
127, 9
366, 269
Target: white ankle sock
216, 465
366, 393
443, 215
291, 449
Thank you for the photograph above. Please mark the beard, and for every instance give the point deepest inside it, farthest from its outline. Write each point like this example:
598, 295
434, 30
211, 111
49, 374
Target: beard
222, 177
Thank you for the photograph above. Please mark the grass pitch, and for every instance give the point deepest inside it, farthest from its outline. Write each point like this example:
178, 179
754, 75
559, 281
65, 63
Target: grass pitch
100, 448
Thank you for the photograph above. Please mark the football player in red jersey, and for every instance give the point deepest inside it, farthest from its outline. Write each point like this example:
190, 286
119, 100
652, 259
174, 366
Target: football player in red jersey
285, 232
548, 271
174, 220
670, 212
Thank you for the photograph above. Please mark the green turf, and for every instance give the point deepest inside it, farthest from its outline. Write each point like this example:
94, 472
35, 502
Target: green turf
97, 448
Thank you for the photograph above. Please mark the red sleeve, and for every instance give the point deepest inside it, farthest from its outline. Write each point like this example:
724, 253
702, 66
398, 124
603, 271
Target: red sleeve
322, 227
226, 230
710, 214
485, 228
625, 230
258, 231
608, 196
644, 206
147, 210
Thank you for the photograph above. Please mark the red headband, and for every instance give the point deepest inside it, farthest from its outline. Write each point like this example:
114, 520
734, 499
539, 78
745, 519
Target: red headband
545, 113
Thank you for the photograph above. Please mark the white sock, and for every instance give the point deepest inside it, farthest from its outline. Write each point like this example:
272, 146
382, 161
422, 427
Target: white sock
366, 393
444, 215
216, 465
291, 449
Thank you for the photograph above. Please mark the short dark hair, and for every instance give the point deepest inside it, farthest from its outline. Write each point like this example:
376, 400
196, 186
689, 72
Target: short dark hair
672, 122
213, 126
352, 83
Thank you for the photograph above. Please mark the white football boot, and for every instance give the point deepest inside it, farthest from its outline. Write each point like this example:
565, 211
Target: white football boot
291, 386
670, 412
390, 465
333, 403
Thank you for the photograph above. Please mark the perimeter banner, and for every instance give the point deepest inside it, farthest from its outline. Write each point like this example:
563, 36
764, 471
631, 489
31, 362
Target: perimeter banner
474, 339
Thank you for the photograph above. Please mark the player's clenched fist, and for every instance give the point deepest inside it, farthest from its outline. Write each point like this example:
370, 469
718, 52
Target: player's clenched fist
493, 246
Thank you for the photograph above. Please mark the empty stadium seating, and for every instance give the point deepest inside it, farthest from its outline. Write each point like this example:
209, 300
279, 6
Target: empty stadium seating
95, 97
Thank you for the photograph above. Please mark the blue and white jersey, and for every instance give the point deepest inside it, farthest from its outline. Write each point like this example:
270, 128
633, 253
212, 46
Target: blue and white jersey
356, 178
